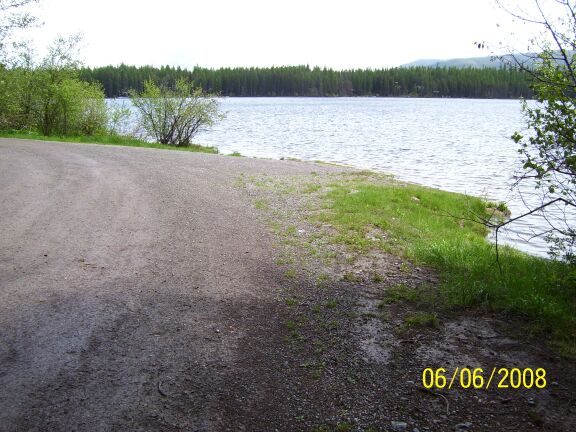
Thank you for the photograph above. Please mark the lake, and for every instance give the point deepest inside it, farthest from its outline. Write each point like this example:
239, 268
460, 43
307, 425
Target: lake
459, 145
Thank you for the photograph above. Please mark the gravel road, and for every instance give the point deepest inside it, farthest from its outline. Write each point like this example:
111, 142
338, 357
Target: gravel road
139, 291
130, 278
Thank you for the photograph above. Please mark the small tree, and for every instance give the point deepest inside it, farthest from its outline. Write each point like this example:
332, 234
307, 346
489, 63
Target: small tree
49, 97
174, 116
549, 148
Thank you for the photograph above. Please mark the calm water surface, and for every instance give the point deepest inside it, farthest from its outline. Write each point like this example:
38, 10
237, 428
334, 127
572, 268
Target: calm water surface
460, 145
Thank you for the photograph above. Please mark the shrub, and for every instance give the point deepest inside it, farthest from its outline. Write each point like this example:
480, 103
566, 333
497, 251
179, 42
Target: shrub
174, 116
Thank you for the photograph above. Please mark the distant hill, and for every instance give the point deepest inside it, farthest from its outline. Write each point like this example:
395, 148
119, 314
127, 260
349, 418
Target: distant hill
478, 62
475, 62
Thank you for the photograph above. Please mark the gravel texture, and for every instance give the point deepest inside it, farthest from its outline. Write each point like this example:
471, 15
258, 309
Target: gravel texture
141, 290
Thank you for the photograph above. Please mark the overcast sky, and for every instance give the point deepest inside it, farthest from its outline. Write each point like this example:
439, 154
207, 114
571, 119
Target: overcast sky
216, 33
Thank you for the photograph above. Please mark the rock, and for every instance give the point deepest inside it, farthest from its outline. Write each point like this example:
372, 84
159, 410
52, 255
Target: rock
398, 426
463, 426
415, 430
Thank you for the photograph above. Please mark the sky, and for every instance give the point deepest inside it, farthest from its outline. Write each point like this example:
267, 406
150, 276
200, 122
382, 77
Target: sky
227, 33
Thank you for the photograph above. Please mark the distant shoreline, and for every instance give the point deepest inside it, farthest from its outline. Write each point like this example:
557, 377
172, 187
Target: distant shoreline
304, 81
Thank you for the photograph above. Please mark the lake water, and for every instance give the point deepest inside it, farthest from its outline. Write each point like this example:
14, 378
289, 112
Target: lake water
459, 145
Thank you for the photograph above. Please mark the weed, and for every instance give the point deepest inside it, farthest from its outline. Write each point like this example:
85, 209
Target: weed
383, 316
331, 303
343, 427
405, 268
261, 204
329, 325
351, 277
310, 188
291, 302
400, 292
421, 319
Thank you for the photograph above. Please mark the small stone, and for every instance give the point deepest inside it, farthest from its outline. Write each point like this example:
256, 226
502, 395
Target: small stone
398, 426
415, 430
463, 426
415, 199
410, 382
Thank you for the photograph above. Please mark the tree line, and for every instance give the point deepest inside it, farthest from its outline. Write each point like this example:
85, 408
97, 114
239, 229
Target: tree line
500, 83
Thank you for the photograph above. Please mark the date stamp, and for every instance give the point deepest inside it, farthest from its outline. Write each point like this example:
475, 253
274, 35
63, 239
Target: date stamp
478, 378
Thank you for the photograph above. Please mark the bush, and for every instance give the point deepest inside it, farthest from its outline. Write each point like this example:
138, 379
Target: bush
174, 116
49, 97
71, 107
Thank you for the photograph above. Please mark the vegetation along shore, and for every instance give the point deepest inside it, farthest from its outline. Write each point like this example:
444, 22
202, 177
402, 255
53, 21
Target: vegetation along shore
502, 82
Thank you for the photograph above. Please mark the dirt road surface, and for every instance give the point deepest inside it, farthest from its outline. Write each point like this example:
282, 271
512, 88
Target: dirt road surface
140, 291
129, 279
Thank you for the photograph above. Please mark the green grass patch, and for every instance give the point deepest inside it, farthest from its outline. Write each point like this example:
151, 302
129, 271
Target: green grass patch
331, 303
291, 301
421, 319
310, 188
400, 292
118, 140
431, 227
261, 203
351, 277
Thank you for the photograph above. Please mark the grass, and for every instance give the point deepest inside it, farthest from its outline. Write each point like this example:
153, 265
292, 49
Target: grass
291, 302
118, 140
429, 226
331, 303
401, 292
421, 319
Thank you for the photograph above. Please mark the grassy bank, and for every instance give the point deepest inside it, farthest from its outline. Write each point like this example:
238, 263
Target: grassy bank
106, 140
429, 227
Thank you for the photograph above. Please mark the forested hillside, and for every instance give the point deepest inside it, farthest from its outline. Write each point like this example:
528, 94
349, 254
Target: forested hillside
305, 81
